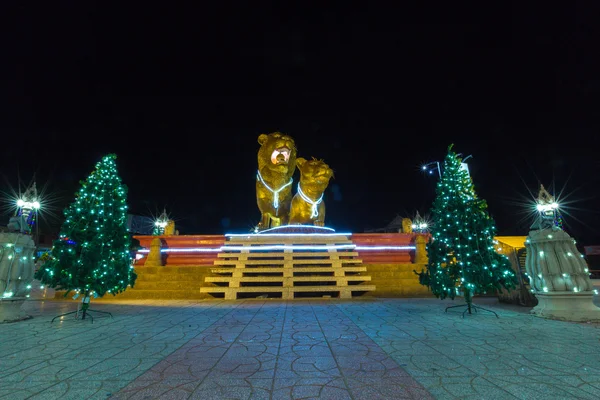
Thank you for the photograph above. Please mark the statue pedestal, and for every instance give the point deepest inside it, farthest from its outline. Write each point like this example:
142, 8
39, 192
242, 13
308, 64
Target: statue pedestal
10, 309
567, 306
559, 277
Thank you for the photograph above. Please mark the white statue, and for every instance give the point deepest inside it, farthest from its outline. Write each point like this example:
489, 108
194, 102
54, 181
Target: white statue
16, 273
558, 274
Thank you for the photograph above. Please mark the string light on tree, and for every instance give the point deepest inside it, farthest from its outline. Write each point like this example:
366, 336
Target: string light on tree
92, 254
462, 257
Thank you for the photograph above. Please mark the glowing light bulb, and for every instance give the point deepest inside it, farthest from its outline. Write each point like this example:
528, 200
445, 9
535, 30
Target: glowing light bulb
20, 203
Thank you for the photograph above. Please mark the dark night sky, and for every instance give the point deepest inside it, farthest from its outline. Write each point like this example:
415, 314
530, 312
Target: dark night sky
181, 96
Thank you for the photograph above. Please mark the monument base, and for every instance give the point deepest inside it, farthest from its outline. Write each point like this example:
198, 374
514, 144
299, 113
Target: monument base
10, 310
567, 306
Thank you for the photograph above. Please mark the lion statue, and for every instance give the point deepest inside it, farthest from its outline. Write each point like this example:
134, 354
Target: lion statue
307, 205
276, 167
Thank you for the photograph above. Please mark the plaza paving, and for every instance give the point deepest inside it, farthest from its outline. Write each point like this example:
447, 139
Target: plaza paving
309, 349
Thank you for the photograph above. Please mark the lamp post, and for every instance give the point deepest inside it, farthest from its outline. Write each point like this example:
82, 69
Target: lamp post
161, 223
28, 206
548, 209
430, 167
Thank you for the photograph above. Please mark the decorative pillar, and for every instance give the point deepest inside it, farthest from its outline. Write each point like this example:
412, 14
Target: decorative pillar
421, 250
16, 274
154, 256
559, 277
170, 228
406, 225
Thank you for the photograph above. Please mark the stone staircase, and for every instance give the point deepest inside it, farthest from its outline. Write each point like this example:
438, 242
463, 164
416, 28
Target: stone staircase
167, 283
287, 267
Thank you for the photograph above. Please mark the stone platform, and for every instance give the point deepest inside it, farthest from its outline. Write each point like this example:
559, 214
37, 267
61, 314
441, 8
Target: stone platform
388, 261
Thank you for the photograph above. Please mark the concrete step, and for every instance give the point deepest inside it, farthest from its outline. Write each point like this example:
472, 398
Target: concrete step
296, 263
188, 269
295, 256
296, 289
168, 285
199, 277
162, 294
355, 278
280, 269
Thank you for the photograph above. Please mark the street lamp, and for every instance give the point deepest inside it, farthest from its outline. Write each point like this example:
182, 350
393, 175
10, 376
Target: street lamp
28, 206
161, 223
430, 167
548, 210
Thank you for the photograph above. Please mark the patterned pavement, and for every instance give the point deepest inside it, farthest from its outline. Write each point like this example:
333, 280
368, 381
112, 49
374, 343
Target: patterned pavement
305, 349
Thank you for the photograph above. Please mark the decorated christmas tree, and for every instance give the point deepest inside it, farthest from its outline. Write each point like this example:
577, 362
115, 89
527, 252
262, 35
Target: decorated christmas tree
462, 257
92, 254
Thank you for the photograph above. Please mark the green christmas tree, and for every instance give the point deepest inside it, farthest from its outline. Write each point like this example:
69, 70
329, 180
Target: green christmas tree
92, 254
461, 249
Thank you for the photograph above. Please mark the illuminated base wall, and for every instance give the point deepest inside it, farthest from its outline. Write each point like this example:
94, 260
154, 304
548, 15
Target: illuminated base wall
188, 260
176, 246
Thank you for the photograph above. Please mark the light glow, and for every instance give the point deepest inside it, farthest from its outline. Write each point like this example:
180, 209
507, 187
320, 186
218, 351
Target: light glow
30, 205
420, 226
314, 205
324, 228
286, 234
275, 192
280, 247
547, 207
272, 232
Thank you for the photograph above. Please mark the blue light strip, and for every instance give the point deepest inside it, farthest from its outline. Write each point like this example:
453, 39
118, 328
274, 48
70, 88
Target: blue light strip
367, 248
312, 227
285, 234
280, 247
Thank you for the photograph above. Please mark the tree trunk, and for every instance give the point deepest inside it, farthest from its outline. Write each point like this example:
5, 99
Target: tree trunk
85, 304
468, 299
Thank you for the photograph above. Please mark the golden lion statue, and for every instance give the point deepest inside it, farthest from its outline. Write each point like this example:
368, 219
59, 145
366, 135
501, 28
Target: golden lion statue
276, 167
307, 205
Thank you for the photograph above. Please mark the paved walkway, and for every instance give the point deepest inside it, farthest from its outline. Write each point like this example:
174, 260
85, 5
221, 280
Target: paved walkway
310, 349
